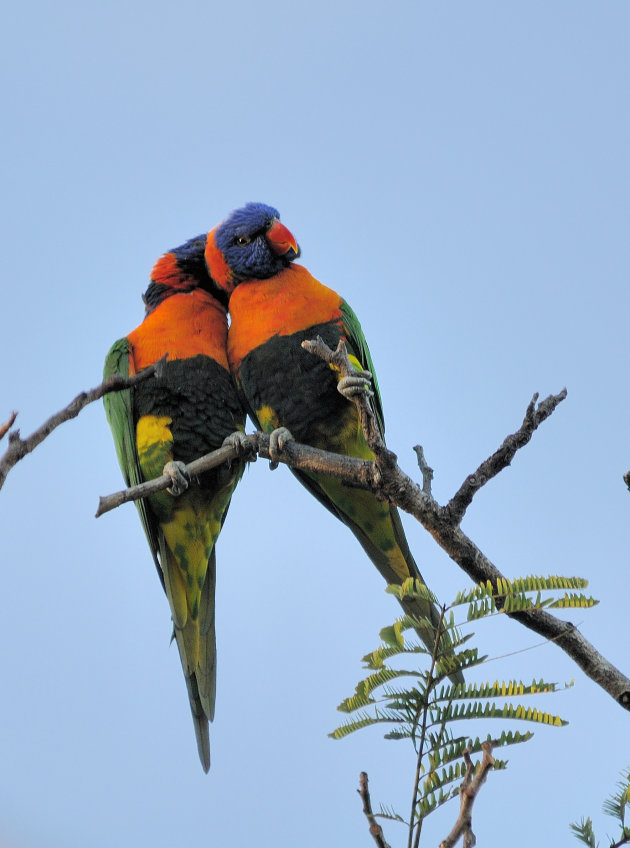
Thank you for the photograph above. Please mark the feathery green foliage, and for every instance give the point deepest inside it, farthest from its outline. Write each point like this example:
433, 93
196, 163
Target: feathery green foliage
584, 832
418, 703
514, 595
616, 806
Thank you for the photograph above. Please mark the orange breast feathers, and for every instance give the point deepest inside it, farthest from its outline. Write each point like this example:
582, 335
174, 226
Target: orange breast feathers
291, 301
182, 325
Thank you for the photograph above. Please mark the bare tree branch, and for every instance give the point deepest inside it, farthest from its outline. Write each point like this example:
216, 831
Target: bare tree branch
468, 792
19, 448
375, 829
502, 457
400, 490
359, 472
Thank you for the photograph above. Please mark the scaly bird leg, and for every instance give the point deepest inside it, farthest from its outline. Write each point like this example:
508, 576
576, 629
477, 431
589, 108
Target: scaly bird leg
355, 384
277, 440
180, 479
239, 441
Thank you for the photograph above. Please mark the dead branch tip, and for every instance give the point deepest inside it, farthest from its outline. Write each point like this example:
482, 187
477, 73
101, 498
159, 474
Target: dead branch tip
4, 429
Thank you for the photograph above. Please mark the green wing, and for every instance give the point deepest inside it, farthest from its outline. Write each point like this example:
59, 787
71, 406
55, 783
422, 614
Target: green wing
119, 412
359, 348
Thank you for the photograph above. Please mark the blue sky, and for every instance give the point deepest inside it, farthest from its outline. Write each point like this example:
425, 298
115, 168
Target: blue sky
460, 173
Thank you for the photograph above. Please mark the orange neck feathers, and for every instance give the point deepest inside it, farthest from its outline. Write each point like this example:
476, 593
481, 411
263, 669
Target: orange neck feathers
291, 301
183, 325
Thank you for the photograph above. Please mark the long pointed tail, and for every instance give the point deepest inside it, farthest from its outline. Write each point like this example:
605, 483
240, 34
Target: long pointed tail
196, 643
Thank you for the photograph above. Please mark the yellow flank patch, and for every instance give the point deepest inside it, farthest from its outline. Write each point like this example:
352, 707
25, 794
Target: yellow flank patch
152, 429
267, 418
154, 442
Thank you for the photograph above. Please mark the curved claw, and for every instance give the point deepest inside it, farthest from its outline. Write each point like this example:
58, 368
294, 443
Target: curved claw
238, 440
180, 478
278, 438
356, 384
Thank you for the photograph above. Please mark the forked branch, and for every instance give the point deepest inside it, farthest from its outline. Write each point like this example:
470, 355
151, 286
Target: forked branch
468, 792
19, 448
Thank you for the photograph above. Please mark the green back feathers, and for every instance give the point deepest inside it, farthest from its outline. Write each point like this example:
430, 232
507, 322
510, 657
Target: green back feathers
119, 412
357, 342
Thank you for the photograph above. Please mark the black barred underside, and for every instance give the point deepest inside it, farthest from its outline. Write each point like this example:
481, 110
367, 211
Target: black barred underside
200, 398
298, 386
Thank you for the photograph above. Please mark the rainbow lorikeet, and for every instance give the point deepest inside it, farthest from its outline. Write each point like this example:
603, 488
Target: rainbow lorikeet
274, 305
175, 418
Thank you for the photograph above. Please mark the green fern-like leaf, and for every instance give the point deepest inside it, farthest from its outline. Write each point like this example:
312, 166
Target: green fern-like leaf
364, 689
481, 608
389, 813
583, 831
498, 689
478, 709
512, 738
406, 731
434, 780
616, 807
392, 636
515, 595
616, 804
396, 645
412, 588
377, 658
427, 804
420, 705
364, 719
443, 751
573, 601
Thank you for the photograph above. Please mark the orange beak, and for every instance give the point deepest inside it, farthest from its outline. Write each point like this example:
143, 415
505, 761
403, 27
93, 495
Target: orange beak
281, 240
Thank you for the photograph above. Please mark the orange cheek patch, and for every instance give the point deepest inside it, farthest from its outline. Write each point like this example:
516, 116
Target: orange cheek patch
217, 266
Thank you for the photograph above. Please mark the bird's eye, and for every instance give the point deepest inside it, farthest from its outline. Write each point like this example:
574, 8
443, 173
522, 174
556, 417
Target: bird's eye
242, 240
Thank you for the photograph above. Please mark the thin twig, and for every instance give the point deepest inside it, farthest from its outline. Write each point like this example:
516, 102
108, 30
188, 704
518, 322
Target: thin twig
7, 425
501, 458
425, 470
468, 791
375, 829
19, 448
